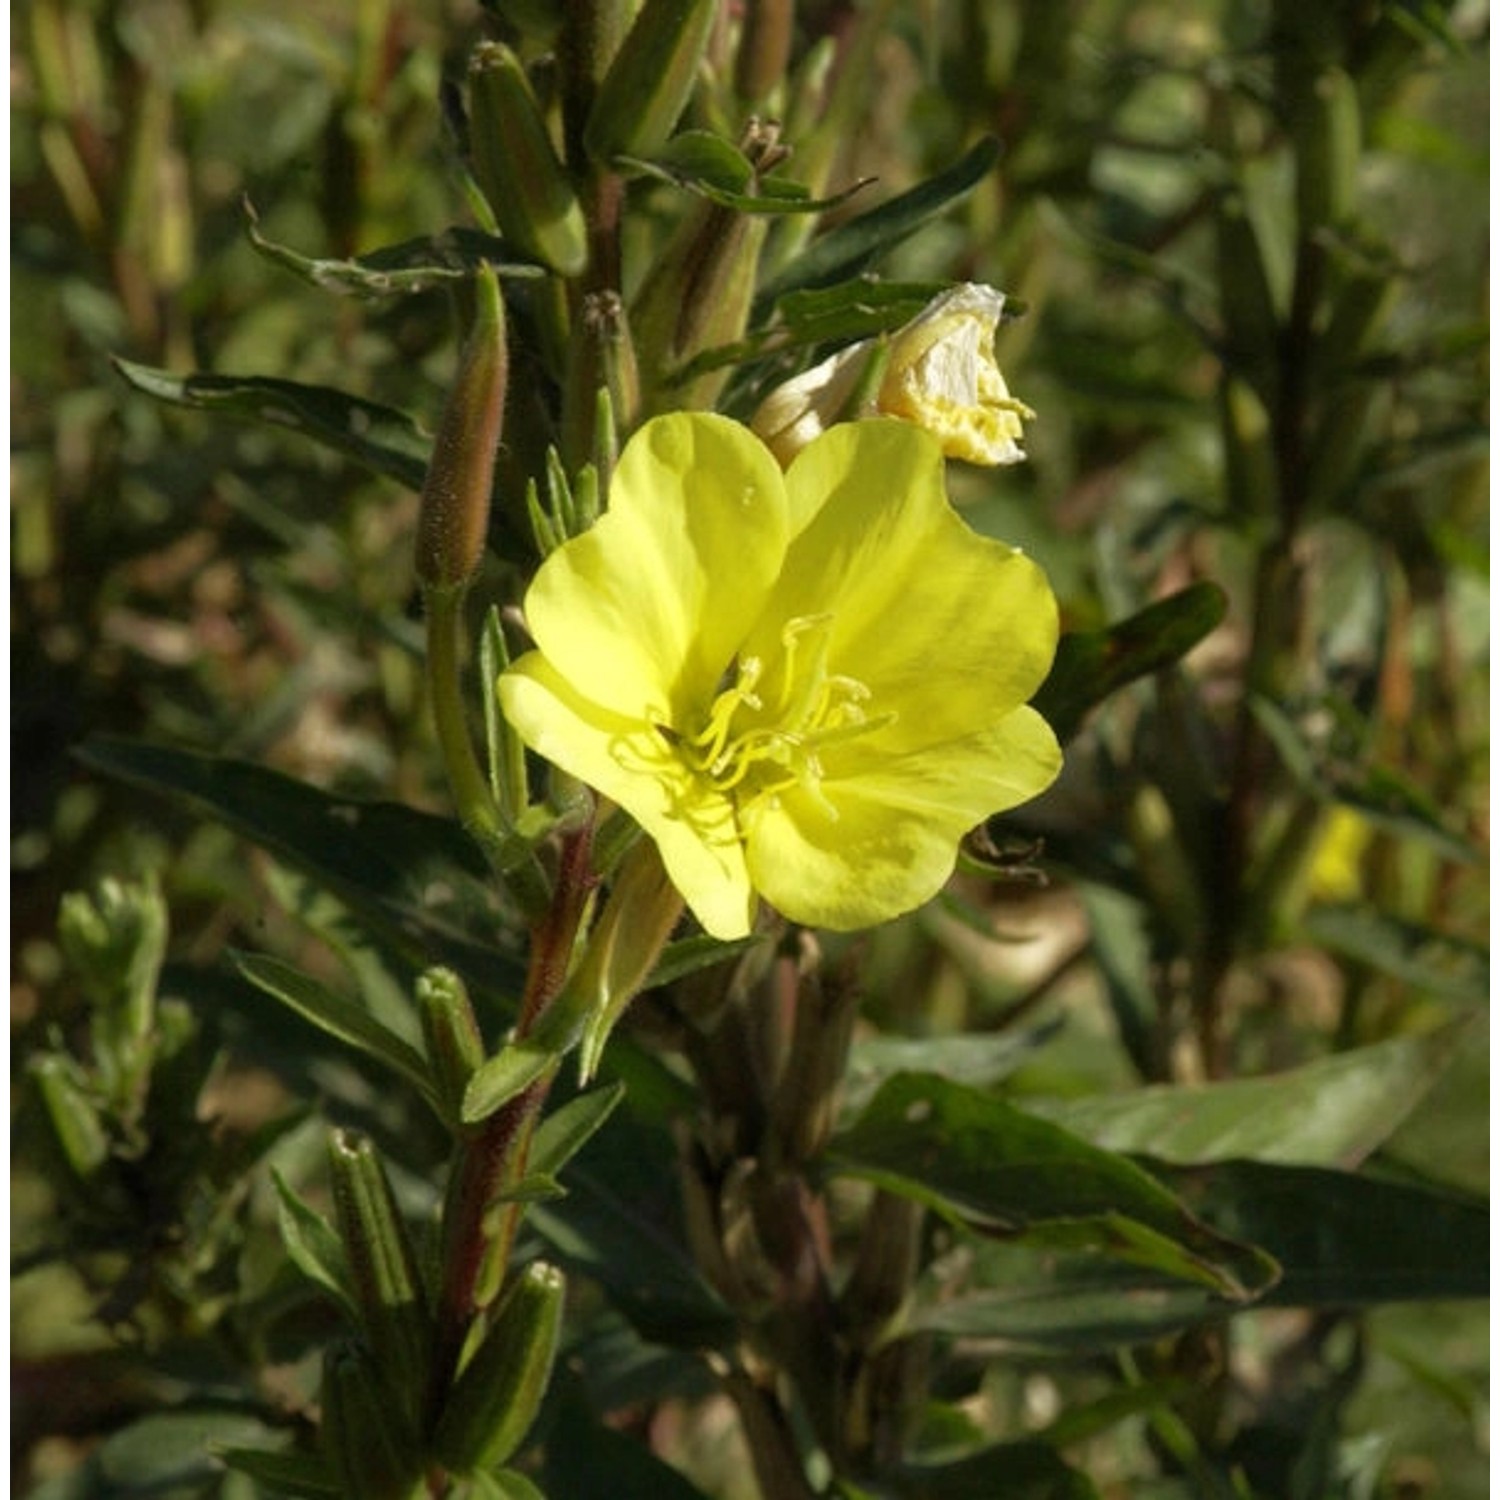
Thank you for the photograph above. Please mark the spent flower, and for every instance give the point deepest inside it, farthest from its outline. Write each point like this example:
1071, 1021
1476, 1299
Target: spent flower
804, 686
939, 372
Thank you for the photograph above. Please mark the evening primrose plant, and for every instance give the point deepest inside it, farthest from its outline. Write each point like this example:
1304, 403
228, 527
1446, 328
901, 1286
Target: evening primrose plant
722, 1073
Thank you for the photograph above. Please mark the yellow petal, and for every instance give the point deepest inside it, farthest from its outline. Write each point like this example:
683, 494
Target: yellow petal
627, 759
643, 613
874, 846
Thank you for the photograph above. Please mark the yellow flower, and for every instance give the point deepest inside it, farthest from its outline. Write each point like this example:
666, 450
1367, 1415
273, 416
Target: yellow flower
939, 373
805, 686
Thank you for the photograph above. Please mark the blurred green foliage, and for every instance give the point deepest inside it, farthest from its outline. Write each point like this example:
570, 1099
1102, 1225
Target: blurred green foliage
1250, 240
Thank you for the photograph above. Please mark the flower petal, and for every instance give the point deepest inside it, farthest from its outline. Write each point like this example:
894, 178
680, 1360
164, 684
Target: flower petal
947, 629
627, 759
871, 847
643, 612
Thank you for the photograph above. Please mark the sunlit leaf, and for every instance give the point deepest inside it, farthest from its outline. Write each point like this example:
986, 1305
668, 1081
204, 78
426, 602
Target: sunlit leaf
1333, 1112
980, 1161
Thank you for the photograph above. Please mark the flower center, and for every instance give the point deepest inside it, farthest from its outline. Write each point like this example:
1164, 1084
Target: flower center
766, 730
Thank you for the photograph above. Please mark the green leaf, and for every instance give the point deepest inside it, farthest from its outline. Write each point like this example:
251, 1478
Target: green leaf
340, 1018
383, 440
710, 166
565, 1131
172, 1446
976, 1059
416, 265
851, 247
689, 955
1007, 1471
857, 309
1091, 665
588, 1461
418, 881
1333, 1112
505, 1076
621, 1225
311, 1242
304, 1475
1034, 1300
1342, 1239
1435, 962
980, 1161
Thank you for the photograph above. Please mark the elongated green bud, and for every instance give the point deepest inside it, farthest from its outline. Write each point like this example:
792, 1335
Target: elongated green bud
496, 1397
601, 357
765, 48
651, 79
370, 1445
455, 510
75, 1136
451, 1032
382, 1269
1247, 303
516, 166
1328, 138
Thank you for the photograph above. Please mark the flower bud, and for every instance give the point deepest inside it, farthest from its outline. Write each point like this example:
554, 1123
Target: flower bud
650, 80
383, 1270
496, 1397
516, 166
454, 518
371, 1448
451, 1032
939, 373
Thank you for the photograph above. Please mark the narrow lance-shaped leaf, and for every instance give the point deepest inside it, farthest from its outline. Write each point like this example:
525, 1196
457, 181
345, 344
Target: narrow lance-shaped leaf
416, 265
340, 1018
982, 1162
386, 862
849, 249
1332, 1112
381, 438
1090, 665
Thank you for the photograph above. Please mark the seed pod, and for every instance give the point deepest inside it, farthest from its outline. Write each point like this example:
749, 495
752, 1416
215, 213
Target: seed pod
371, 1448
455, 513
382, 1268
651, 79
496, 1397
516, 166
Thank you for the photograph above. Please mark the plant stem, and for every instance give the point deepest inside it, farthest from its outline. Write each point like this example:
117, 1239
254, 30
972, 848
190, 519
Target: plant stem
494, 1156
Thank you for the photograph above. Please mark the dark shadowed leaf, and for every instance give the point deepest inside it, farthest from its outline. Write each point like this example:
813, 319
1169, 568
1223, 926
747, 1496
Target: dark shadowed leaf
585, 1460
980, 1161
621, 1224
418, 881
1342, 1239
1008, 1471
1092, 664
382, 439
341, 1018
849, 249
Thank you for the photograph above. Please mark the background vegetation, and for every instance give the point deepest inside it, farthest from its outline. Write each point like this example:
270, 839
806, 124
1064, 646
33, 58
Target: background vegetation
1250, 240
